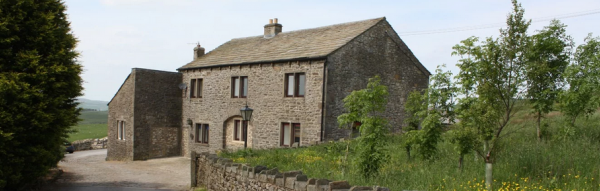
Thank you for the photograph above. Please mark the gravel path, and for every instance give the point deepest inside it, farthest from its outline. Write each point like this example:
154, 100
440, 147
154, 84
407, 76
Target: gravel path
89, 169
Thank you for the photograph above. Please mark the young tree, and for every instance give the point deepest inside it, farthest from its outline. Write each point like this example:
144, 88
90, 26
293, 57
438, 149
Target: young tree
548, 55
39, 81
428, 110
416, 109
496, 73
582, 97
442, 92
365, 106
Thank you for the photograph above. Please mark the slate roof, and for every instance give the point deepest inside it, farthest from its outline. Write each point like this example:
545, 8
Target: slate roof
299, 44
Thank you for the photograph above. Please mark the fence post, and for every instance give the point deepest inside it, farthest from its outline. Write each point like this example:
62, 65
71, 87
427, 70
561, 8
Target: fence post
193, 169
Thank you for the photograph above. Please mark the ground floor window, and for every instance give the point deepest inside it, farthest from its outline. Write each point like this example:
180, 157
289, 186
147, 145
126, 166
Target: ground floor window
120, 130
238, 130
290, 134
202, 133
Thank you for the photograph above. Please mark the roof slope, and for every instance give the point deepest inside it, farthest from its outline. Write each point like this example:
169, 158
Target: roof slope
307, 43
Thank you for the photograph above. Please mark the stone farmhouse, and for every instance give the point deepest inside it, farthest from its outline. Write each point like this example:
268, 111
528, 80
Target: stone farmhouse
295, 82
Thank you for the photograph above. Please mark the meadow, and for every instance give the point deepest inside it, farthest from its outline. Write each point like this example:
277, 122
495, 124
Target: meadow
93, 125
566, 159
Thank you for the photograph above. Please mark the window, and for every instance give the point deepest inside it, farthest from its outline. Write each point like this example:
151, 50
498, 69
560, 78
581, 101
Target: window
239, 87
120, 130
196, 88
290, 134
295, 84
202, 133
238, 130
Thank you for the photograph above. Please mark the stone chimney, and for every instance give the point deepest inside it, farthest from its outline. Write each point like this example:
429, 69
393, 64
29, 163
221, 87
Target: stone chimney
198, 51
272, 29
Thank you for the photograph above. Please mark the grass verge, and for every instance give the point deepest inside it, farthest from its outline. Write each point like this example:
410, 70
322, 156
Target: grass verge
567, 159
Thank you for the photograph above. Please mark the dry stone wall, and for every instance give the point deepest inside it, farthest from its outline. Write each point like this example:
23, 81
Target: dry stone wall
217, 173
90, 144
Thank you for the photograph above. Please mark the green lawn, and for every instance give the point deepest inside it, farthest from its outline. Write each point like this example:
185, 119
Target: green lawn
93, 125
566, 159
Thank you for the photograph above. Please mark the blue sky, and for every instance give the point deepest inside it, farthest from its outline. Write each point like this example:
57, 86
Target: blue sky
117, 35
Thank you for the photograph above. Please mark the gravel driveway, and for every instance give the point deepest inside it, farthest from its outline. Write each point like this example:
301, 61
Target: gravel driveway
90, 171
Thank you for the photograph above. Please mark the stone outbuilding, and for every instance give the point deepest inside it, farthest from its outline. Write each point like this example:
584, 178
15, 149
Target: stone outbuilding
295, 82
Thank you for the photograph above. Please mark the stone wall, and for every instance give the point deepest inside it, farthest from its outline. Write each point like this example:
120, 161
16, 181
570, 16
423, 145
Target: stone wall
158, 114
378, 51
221, 174
90, 144
120, 108
265, 96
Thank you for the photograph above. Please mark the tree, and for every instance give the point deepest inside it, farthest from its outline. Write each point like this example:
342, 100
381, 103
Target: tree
416, 109
427, 110
548, 55
495, 72
365, 106
582, 97
442, 92
39, 81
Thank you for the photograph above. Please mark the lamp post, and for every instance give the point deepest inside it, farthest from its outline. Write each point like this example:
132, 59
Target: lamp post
246, 116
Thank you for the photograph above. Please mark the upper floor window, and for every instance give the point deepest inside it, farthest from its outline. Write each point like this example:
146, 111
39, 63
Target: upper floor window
239, 86
295, 84
202, 133
238, 130
120, 130
196, 88
290, 134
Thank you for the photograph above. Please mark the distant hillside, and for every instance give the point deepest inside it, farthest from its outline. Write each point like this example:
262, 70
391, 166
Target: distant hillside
93, 104
93, 117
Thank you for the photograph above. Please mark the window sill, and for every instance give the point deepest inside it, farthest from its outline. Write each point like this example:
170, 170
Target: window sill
236, 141
201, 144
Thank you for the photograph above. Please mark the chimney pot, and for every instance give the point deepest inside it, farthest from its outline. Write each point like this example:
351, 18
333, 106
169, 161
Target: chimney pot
198, 51
272, 29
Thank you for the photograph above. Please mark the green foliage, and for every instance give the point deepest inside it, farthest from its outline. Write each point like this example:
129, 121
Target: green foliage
439, 97
494, 71
552, 164
430, 135
441, 94
39, 81
364, 106
548, 55
416, 108
582, 97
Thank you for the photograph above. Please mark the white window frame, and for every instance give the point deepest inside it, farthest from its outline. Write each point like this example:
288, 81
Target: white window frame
120, 130
291, 140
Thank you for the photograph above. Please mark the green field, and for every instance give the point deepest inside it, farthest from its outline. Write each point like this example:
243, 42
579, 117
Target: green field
567, 159
88, 131
92, 125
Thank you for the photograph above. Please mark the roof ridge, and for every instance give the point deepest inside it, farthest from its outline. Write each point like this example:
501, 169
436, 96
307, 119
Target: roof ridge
315, 28
304, 43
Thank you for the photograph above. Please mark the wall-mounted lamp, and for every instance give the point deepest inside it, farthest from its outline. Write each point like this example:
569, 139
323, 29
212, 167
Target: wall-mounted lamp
189, 122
